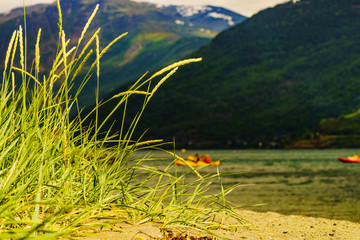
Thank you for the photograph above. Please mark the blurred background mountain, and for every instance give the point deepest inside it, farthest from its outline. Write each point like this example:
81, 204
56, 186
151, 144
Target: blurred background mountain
288, 77
285, 78
157, 36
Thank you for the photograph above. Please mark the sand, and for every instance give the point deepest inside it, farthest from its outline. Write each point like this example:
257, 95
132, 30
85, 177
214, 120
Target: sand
268, 225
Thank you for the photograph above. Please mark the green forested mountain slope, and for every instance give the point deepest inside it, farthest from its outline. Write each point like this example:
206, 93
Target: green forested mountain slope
154, 36
267, 81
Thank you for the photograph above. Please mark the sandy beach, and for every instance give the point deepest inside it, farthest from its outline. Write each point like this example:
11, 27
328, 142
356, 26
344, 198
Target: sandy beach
268, 225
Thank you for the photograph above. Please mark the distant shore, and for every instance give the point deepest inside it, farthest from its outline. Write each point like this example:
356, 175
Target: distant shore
256, 226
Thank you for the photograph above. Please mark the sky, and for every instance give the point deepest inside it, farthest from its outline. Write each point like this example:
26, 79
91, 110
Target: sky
244, 7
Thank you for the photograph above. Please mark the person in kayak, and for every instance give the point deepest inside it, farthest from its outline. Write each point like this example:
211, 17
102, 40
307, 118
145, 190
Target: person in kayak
197, 158
206, 158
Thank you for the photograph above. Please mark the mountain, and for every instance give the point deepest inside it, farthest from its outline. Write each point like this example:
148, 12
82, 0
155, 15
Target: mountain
156, 36
267, 82
205, 17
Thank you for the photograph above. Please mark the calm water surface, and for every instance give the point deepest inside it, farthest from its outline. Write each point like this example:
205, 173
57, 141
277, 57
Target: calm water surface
302, 182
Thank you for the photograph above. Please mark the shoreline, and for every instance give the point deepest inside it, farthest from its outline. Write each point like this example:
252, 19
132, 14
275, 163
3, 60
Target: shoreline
258, 225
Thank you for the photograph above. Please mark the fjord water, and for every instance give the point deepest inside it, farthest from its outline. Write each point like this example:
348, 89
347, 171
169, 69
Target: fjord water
300, 182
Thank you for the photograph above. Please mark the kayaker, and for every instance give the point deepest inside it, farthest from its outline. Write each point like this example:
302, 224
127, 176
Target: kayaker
197, 157
200, 158
206, 159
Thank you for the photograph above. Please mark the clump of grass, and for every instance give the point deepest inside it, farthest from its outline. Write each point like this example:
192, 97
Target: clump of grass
58, 177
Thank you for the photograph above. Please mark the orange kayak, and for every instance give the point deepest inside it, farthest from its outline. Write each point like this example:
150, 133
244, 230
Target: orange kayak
196, 164
349, 160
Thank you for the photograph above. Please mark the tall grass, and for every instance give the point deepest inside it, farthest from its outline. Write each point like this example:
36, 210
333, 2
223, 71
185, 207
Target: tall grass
57, 177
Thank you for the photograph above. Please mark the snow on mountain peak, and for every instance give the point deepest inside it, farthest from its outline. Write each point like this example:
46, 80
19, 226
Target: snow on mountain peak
188, 11
222, 16
179, 22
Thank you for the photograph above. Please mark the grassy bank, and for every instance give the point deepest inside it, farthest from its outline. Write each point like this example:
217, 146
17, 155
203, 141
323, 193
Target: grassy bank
58, 177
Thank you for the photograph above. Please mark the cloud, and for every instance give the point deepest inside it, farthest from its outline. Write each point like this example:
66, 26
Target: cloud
7, 5
245, 7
